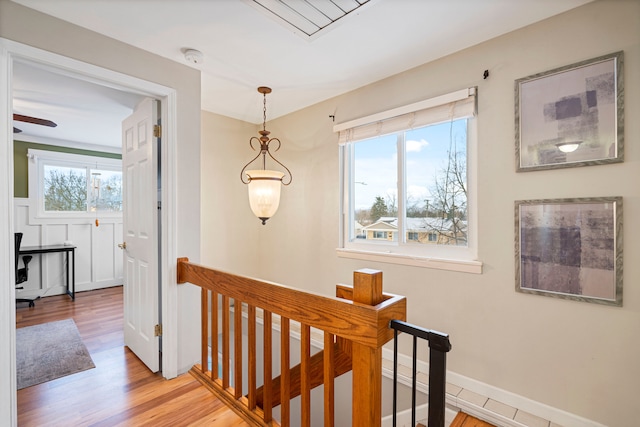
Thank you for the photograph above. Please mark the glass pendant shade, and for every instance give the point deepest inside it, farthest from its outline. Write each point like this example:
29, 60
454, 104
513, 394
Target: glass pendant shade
264, 184
264, 192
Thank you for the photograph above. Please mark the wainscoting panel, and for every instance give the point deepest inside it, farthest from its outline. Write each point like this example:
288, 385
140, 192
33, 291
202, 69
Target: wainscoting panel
118, 254
98, 259
102, 251
80, 235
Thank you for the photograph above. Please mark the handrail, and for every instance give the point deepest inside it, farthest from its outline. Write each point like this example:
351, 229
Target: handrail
354, 323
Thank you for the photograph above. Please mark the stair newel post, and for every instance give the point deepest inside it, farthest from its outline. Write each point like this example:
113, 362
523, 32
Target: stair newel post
367, 361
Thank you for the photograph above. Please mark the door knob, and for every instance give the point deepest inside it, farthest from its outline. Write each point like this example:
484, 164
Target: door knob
122, 245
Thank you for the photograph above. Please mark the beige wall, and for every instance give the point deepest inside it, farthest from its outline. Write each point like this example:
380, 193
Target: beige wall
32, 28
578, 357
230, 232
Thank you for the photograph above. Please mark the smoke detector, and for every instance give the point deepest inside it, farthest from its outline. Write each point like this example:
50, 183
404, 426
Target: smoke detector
194, 56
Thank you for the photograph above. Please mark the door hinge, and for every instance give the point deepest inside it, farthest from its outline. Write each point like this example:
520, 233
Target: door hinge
158, 331
157, 131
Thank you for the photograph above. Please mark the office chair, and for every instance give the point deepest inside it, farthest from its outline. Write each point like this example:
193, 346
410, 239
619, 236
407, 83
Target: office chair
22, 274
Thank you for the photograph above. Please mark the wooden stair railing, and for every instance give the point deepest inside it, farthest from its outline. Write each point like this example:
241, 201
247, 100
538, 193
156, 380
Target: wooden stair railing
354, 325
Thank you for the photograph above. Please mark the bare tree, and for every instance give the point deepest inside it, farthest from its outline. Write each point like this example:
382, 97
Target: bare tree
108, 196
392, 204
65, 192
363, 216
417, 208
449, 193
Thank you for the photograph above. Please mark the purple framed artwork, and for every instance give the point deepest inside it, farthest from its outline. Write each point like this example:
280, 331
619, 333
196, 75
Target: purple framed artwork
570, 248
571, 116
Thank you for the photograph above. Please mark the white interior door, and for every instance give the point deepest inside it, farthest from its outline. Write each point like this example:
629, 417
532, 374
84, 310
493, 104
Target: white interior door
140, 224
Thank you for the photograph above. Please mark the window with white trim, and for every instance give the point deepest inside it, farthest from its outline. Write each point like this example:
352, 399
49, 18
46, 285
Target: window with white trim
72, 185
408, 173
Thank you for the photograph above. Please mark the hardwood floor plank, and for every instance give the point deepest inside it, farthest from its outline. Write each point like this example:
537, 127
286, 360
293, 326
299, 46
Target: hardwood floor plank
120, 390
465, 420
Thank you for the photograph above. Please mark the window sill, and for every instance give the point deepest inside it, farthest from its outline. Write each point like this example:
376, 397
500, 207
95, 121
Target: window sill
474, 267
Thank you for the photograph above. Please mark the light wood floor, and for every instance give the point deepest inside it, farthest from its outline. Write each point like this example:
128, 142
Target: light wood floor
466, 420
120, 390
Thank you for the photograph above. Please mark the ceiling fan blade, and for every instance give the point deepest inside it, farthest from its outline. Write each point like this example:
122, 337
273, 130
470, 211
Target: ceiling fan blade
34, 120
16, 130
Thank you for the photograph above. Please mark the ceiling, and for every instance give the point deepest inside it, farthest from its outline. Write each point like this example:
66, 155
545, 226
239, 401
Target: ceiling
86, 114
244, 46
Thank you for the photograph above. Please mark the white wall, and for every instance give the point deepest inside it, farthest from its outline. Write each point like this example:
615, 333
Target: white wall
577, 357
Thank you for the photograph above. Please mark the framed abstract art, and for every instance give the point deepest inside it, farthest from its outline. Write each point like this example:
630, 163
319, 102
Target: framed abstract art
570, 248
571, 116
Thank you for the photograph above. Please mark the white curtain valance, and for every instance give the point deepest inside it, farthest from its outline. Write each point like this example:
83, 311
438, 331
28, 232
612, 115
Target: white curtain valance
453, 106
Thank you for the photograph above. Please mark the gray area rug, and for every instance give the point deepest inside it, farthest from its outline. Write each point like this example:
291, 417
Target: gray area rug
49, 351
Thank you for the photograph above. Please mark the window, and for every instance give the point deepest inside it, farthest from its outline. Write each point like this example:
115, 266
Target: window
407, 169
64, 188
105, 190
74, 185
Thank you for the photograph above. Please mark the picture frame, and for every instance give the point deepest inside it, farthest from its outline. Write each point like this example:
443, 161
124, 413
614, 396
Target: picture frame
570, 248
571, 116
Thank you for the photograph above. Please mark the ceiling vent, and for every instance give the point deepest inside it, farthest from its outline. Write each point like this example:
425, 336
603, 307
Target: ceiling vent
308, 18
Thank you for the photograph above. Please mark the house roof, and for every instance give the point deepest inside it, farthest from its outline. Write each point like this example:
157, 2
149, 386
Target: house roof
416, 224
381, 225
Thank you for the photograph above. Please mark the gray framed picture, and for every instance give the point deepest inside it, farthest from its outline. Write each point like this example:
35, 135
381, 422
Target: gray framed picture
570, 248
571, 116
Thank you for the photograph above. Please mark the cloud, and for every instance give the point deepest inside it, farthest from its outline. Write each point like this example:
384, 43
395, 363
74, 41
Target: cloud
416, 146
417, 192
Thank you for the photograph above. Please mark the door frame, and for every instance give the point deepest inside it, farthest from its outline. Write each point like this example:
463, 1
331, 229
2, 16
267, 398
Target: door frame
11, 51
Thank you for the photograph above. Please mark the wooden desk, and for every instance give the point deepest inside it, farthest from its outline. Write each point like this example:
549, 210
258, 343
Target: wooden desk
49, 249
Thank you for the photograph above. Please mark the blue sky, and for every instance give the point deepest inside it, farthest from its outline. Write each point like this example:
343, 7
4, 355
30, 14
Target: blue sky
376, 162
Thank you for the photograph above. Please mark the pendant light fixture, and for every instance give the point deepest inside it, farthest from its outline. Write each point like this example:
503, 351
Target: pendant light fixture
264, 184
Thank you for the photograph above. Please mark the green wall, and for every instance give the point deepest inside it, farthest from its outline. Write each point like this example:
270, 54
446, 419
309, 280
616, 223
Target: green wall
21, 163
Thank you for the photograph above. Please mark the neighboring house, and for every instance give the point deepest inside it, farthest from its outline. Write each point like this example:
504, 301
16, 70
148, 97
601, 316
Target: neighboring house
420, 230
385, 228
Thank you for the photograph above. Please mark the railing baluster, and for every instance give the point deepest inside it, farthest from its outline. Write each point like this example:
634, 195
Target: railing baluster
237, 348
226, 328
214, 335
267, 366
414, 372
251, 320
395, 377
305, 387
204, 334
285, 373
329, 392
